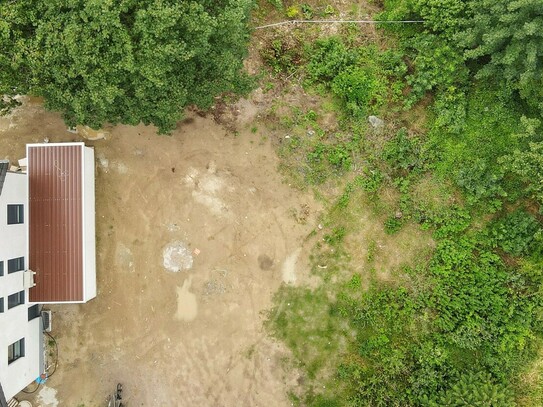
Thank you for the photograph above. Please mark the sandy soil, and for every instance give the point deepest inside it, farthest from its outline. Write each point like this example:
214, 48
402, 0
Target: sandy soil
194, 235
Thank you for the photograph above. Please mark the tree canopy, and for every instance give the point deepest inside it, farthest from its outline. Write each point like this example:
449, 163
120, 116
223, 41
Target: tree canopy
507, 39
501, 40
125, 61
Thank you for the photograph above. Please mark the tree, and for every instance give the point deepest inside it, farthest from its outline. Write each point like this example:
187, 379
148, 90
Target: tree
527, 164
474, 389
123, 61
506, 38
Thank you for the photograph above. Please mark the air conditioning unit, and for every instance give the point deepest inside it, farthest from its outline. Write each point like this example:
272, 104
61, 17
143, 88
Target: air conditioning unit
46, 317
28, 279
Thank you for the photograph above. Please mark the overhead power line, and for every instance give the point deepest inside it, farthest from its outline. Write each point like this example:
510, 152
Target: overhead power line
292, 22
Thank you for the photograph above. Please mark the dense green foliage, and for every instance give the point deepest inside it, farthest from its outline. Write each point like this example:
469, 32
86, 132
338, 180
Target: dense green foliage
126, 61
501, 39
457, 327
506, 38
363, 78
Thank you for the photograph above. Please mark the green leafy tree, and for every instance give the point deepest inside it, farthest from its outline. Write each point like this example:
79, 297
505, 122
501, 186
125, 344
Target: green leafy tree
441, 16
526, 163
474, 389
126, 61
506, 38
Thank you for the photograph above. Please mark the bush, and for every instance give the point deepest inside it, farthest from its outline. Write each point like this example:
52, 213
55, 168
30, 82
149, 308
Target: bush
403, 152
393, 225
437, 65
471, 156
517, 233
283, 54
327, 58
359, 89
361, 77
474, 389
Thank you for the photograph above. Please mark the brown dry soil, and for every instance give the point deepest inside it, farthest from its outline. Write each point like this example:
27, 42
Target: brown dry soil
195, 337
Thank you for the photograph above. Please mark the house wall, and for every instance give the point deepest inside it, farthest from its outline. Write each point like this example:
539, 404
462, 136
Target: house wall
89, 235
14, 324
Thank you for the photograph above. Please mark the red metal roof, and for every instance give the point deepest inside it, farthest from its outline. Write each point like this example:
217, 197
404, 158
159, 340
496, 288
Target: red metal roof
55, 183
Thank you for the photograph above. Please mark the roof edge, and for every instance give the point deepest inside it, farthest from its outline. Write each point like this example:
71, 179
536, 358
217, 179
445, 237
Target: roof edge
73, 143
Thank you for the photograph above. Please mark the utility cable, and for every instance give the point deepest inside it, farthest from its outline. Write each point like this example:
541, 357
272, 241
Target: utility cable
33, 391
56, 353
292, 22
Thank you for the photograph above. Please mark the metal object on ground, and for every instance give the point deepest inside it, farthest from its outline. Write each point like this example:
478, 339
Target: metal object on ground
46, 317
115, 400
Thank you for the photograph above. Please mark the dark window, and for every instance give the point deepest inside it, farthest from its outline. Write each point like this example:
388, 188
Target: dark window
17, 264
33, 312
16, 350
15, 214
1, 305
4, 164
1, 268
16, 299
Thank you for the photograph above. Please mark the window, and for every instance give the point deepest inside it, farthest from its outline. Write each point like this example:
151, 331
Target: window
16, 299
15, 214
4, 165
16, 350
1, 305
1, 268
33, 312
17, 264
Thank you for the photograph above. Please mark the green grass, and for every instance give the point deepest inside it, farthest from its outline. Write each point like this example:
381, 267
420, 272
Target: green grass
470, 157
418, 289
301, 318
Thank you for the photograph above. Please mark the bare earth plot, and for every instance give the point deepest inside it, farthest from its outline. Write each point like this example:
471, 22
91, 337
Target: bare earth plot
194, 235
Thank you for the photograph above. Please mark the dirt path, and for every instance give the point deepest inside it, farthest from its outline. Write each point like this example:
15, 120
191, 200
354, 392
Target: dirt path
201, 198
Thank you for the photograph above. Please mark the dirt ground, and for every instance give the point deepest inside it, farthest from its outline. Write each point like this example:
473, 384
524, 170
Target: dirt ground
203, 198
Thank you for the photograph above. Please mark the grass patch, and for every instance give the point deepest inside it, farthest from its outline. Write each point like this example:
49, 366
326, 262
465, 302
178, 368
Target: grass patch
302, 319
428, 258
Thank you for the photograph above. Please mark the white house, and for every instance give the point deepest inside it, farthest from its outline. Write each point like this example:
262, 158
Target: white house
21, 344
47, 253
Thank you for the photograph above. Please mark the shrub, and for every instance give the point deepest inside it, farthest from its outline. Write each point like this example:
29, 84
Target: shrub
437, 65
516, 233
393, 225
358, 88
403, 152
327, 58
282, 54
474, 389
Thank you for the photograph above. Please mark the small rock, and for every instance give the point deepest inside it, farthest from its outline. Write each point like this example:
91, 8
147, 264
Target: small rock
398, 214
376, 122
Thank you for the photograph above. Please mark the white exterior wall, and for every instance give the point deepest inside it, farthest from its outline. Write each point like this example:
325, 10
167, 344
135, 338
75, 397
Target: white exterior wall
89, 235
14, 324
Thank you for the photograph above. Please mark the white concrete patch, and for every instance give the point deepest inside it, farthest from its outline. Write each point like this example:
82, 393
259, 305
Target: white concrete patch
121, 168
103, 162
124, 257
214, 204
205, 187
289, 267
47, 397
211, 184
177, 257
